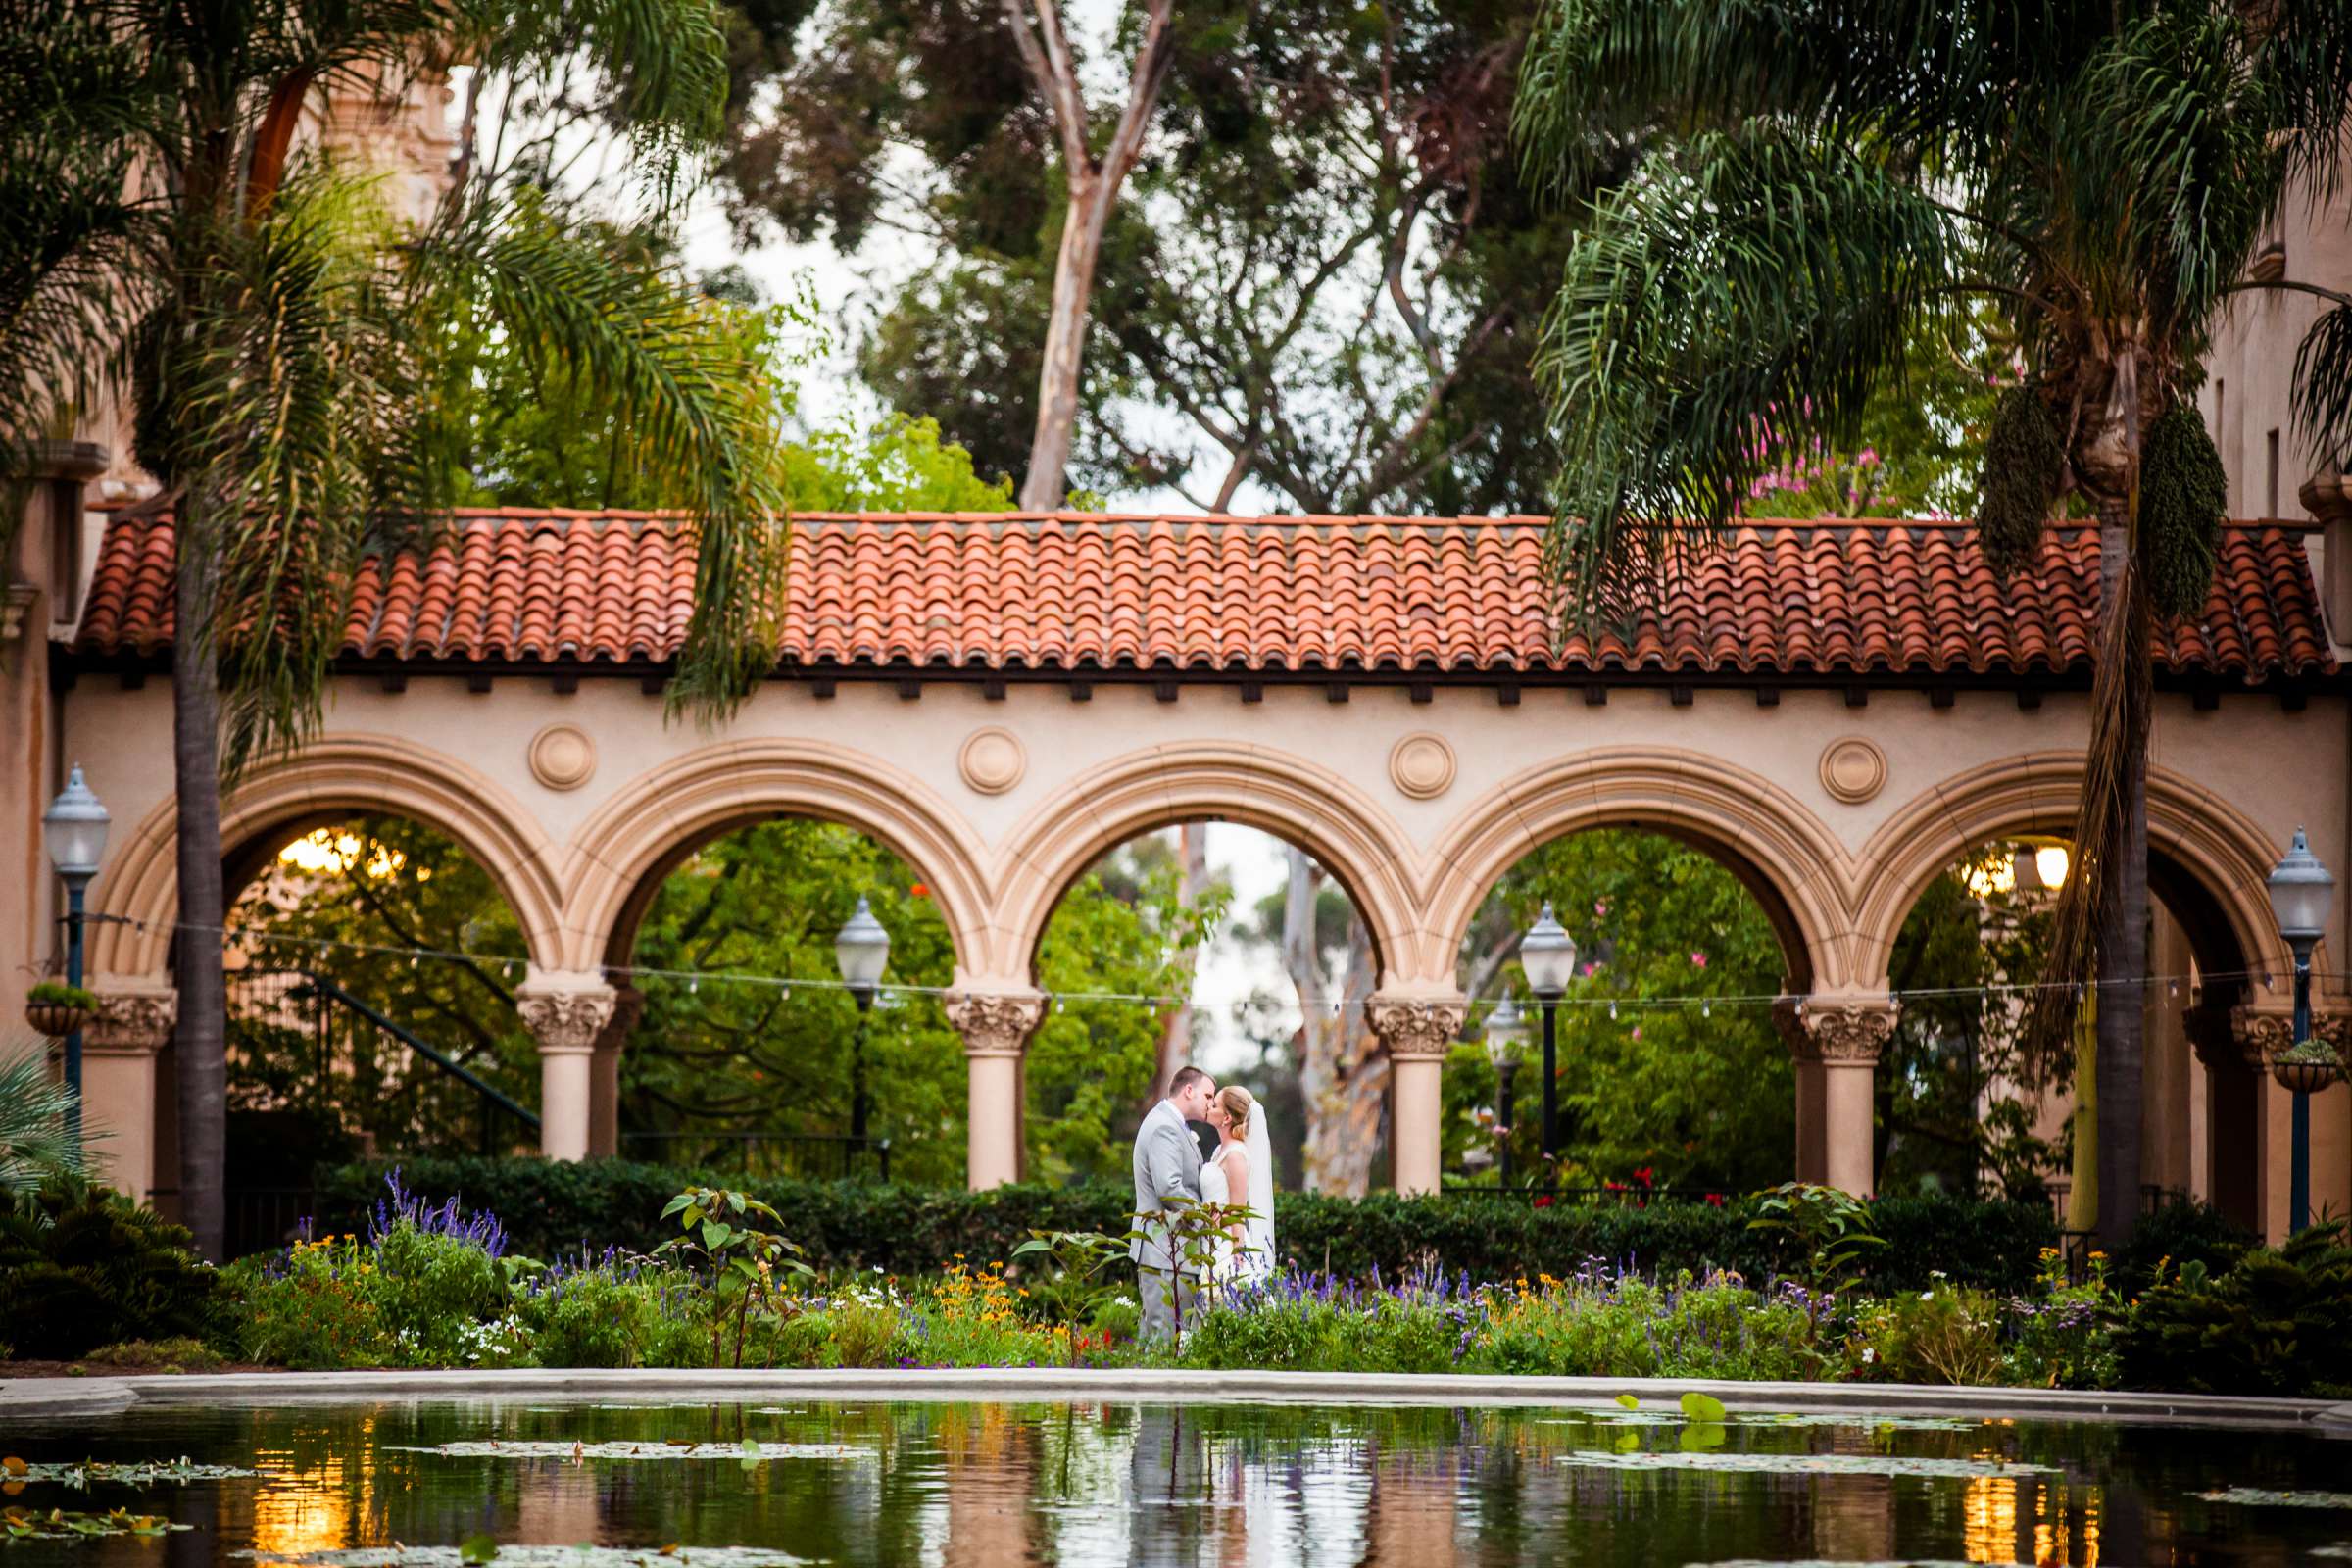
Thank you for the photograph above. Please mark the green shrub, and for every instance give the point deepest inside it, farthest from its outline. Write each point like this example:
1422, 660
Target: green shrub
2173, 1235
2276, 1321
185, 1354
429, 1288
554, 1206
614, 1312
81, 1267
1946, 1334
1603, 1325
2062, 1335
300, 1310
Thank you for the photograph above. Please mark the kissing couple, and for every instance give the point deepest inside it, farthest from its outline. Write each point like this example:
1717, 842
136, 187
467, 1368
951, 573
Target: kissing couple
1171, 1176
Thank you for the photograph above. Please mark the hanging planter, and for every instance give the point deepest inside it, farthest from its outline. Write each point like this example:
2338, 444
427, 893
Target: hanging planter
57, 1010
2306, 1067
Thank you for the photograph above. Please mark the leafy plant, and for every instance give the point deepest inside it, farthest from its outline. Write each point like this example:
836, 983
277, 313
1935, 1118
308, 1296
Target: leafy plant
1076, 1257
1940, 1335
2276, 1321
81, 1267
57, 994
37, 1146
721, 1227
1830, 1230
184, 1353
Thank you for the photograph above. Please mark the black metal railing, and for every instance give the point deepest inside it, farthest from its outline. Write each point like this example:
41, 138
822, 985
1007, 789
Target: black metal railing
1627, 1196
819, 1156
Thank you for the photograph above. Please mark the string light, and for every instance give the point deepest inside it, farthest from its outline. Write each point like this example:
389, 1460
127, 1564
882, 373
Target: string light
253, 941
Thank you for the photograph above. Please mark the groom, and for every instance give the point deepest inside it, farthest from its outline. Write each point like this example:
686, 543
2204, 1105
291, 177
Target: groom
1167, 1165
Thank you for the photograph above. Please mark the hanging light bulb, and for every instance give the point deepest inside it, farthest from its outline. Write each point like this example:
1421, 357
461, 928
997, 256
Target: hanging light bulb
694, 985
1612, 1010
1706, 1010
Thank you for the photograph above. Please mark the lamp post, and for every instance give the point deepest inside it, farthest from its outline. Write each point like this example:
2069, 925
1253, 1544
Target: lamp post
2301, 892
74, 831
1506, 1037
1547, 957
861, 951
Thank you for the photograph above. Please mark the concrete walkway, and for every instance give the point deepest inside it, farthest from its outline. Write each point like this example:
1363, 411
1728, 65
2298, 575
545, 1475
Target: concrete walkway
97, 1396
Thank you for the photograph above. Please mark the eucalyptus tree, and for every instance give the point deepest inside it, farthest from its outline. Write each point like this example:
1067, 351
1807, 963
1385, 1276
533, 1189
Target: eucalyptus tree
2091, 176
281, 339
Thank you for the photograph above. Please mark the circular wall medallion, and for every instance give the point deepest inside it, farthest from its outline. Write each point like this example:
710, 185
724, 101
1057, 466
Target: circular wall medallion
992, 760
1422, 765
1852, 770
562, 756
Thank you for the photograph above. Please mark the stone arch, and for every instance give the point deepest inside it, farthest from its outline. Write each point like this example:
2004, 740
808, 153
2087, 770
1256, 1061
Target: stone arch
332, 778
635, 838
1287, 796
2208, 860
1792, 865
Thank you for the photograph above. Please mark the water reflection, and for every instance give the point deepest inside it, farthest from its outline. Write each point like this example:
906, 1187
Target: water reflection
1201, 1486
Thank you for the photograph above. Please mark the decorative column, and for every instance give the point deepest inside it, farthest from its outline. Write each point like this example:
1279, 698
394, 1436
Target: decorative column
2233, 1102
1812, 1148
566, 1013
2262, 1032
1417, 1032
995, 1026
1848, 1033
120, 1092
2330, 1123
603, 1072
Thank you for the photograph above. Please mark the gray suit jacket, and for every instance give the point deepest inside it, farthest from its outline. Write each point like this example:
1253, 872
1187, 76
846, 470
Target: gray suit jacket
1167, 1164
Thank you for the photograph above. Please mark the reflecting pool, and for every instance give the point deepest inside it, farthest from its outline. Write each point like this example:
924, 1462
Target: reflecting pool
767, 1484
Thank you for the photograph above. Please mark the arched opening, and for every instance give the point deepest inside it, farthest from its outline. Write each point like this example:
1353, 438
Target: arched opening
1961, 1108
1221, 945
743, 1049
1672, 1072
371, 963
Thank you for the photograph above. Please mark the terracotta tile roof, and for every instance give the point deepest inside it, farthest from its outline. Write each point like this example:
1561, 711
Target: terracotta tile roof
1009, 591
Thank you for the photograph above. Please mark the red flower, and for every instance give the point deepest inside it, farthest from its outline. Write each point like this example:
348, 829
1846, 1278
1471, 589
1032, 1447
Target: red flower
1543, 1200
1642, 1175
1715, 1199
919, 890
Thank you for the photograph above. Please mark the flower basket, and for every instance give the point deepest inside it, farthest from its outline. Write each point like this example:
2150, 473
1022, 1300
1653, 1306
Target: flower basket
2306, 1067
56, 1019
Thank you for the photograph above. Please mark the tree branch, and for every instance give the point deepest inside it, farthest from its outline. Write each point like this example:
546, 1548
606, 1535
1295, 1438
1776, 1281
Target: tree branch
1050, 72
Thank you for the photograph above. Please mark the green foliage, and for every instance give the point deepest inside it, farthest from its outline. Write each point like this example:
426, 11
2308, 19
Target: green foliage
553, 1207
35, 1148
614, 1313
182, 1353
1695, 1096
57, 993
2168, 1239
1069, 1263
1600, 1324
81, 1267
2062, 1334
2276, 1321
2025, 464
1944, 1334
901, 464
746, 1266
1833, 1231
2183, 500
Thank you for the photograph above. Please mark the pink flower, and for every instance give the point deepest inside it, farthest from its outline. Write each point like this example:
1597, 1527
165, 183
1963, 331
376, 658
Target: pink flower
1600, 906
1868, 457
1636, 1031
1698, 960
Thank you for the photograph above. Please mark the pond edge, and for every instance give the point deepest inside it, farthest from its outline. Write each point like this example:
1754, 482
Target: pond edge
96, 1396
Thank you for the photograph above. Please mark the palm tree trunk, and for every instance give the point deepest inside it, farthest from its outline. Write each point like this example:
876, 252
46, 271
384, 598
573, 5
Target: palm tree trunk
2120, 736
200, 1039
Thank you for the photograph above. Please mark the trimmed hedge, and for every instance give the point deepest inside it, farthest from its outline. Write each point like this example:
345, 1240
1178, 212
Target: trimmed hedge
550, 1206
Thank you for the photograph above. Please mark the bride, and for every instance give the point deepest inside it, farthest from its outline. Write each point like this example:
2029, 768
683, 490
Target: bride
1242, 1172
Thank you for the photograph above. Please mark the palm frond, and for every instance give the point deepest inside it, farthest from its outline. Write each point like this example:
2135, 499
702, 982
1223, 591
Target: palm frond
2323, 382
703, 421
35, 1143
1738, 298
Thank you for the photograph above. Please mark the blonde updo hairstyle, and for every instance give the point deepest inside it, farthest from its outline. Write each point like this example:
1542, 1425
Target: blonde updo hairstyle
1239, 1107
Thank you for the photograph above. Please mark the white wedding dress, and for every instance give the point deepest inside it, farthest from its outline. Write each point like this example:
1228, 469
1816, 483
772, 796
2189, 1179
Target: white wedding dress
1234, 1266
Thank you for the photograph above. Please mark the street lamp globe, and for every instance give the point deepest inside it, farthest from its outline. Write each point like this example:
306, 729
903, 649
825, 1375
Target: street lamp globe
861, 951
1548, 956
73, 830
1505, 1032
2301, 891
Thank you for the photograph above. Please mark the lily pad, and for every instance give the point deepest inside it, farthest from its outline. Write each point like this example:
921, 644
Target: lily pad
2262, 1496
749, 1454
398, 1556
1798, 1464
128, 1472
1702, 1407
70, 1524
1629, 1402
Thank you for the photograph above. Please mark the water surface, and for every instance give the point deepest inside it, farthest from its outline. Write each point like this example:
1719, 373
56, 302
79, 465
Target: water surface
865, 1483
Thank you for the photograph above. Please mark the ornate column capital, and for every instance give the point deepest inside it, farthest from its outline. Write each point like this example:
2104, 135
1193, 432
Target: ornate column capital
1846, 1031
132, 1022
2261, 1034
564, 1019
996, 1023
1416, 1028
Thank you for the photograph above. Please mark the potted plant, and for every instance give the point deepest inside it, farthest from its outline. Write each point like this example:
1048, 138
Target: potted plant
57, 1009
